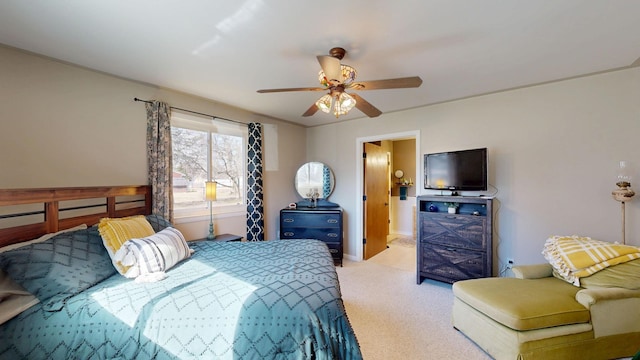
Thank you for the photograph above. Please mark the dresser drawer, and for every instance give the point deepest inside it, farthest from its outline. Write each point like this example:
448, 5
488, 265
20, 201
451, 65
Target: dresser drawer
324, 234
464, 231
335, 249
452, 264
317, 219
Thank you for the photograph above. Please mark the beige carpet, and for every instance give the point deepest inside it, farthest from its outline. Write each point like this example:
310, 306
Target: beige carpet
395, 318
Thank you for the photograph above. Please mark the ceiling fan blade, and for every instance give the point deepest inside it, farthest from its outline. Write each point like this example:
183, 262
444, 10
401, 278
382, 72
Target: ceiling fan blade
311, 110
331, 68
399, 83
365, 106
291, 89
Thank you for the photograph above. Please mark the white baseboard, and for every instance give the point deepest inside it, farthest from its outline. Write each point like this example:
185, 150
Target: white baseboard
350, 257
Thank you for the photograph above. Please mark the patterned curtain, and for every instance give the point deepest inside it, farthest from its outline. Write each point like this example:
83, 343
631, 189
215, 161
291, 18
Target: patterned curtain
159, 158
255, 207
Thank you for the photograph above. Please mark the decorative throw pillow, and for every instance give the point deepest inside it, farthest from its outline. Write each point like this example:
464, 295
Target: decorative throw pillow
14, 299
59, 268
153, 254
116, 232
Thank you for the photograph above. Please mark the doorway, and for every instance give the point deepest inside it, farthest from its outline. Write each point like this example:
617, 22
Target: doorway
360, 179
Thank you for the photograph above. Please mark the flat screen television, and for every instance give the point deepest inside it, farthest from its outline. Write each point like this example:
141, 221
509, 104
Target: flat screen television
456, 170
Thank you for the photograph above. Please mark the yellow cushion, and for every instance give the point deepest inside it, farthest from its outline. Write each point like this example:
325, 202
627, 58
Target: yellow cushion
524, 304
116, 232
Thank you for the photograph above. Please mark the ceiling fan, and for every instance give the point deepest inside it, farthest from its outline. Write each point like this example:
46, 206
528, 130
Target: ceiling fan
337, 78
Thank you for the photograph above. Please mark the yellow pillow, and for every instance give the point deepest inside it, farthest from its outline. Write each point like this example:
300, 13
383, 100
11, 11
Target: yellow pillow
116, 232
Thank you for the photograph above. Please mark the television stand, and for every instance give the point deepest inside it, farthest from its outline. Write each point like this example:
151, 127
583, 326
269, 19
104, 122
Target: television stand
453, 247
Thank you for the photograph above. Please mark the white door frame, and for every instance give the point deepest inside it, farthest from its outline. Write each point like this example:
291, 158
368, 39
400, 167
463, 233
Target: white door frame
415, 134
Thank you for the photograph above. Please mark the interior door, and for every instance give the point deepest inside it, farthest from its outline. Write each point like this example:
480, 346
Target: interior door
376, 205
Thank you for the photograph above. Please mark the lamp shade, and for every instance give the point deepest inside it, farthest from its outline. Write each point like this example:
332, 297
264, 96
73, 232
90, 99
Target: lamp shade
343, 104
324, 103
624, 174
210, 191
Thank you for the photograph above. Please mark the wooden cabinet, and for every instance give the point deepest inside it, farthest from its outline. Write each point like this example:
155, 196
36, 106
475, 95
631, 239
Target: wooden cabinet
314, 223
454, 246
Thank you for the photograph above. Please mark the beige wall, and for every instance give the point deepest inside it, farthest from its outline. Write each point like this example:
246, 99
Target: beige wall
402, 212
61, 125
553, 153
404, 158
553, 148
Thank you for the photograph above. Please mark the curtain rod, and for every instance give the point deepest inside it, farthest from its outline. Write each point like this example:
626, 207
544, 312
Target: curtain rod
194, 112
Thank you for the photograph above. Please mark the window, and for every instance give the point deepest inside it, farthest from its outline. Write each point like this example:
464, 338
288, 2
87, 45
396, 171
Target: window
206, 149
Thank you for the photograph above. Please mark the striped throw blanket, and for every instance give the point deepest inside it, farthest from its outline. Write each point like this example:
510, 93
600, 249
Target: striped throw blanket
573, 257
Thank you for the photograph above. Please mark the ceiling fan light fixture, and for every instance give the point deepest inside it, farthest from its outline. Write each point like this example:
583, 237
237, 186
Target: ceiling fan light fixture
324, 103
335, 78
344, 102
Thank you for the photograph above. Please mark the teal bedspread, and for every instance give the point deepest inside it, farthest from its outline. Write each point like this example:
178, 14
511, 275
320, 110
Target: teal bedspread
231, 300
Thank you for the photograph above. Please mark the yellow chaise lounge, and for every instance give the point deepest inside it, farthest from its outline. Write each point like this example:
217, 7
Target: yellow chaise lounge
537, 315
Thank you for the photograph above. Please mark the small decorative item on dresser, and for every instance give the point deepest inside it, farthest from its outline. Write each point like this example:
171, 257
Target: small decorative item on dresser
452, 207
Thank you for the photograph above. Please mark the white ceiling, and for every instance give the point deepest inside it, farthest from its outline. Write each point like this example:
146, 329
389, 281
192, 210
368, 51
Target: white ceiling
226, 50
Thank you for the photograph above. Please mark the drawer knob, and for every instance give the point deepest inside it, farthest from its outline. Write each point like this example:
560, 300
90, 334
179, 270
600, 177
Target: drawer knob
333, 235
288, 220
332, 221
288, 233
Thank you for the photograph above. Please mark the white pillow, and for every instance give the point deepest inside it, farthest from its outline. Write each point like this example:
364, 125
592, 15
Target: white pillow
14, 299
42, 238
151, 256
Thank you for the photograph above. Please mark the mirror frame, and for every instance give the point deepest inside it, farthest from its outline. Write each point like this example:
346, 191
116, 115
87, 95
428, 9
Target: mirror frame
319, 179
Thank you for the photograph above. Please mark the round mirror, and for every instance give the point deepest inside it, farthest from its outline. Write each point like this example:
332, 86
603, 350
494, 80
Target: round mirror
314, 179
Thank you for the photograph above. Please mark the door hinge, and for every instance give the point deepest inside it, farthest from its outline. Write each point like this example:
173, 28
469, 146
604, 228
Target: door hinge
364, 197
364, 241
364, 155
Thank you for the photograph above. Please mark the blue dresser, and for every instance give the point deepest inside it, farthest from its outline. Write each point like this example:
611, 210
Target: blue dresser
314, 223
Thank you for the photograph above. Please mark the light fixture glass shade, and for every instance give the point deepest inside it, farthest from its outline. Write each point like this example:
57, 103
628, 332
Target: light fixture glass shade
210, 190
344, 102
624, 174
347, 73
324, 103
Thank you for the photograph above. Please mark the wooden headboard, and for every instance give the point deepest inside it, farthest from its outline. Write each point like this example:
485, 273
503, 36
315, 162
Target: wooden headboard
64, 208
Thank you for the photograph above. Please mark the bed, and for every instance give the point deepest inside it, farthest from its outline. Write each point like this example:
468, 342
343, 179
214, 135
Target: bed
228, 300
